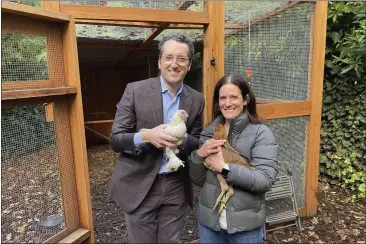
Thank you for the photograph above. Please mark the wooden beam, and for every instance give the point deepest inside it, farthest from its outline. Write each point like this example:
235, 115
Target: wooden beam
114, 46
33, 12
77, 236
51, 5
134, 14
213, 52
30, 84
182, 5
33, 93
49, 108
97, 133
136, 24
284, 110
317, 75
77, 128
108, 121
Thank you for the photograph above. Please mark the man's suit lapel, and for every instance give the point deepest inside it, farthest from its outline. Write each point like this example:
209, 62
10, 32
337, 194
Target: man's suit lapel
156, 101
185, 100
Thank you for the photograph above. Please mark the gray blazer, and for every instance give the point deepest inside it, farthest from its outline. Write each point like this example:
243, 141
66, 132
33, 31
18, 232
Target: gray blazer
141, 106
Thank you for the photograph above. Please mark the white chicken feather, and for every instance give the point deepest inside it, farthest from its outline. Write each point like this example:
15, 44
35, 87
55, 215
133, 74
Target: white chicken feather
178, 129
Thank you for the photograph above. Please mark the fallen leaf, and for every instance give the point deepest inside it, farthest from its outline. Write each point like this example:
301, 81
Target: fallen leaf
314, 221
21, 228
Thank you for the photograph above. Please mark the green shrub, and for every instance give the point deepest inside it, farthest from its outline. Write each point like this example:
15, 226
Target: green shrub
343, 134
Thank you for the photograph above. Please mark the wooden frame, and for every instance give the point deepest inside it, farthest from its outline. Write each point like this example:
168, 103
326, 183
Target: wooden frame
71, 117
134, 14
317, 75
212, 20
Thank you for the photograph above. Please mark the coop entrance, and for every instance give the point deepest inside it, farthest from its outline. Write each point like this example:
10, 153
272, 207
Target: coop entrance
110, 57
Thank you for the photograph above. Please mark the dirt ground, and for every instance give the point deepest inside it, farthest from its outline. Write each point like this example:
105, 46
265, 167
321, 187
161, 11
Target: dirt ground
338, 220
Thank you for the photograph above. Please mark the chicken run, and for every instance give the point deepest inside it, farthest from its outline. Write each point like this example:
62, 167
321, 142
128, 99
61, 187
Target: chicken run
65, 65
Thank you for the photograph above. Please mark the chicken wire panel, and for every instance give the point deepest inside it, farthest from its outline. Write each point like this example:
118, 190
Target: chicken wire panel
278, 52
32, 55
36, 204
165, 4
291, 136
239, 12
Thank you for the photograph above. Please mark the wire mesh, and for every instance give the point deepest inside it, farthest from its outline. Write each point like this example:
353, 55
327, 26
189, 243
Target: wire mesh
29, 61
33, 206
291, 136
236, 12
32, 55
33, 3
165, 4
276, 49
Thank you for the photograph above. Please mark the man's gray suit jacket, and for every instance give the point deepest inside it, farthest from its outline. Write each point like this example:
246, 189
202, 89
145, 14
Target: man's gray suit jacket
141, 107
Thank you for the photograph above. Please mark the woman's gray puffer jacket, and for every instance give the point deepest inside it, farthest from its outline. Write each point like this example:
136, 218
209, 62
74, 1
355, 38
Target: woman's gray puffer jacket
246, 208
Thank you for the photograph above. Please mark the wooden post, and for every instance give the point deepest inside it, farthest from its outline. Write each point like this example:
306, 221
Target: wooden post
317, 75
214, 58
77, 127
76, 121
51, 5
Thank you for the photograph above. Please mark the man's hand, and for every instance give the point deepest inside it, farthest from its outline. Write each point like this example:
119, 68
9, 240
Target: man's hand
158, 138
210, 146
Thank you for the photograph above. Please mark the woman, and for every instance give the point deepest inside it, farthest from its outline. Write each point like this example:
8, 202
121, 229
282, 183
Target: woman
244, 216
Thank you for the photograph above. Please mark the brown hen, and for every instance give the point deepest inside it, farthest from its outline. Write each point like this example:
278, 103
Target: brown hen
230, 156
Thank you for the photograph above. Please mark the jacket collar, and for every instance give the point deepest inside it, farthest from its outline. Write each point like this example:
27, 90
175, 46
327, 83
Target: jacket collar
157, 100
237, 125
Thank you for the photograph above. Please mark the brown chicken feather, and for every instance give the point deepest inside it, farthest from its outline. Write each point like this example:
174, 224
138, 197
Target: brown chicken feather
230, 156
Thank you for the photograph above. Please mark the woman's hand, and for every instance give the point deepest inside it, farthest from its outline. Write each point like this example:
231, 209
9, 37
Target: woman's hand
209, 147
215, 161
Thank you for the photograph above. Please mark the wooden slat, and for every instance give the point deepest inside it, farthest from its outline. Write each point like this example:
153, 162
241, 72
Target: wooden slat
77, 236
77, 127
49, 112
97, 133
98, 122
36, 13
284, 110
66, 165
136, 24
134, 14
34, 84
33, 93
51, 5
114, 46
182, 5
213, 49
311, 187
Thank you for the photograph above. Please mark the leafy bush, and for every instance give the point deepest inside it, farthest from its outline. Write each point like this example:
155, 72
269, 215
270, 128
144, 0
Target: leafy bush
343, 134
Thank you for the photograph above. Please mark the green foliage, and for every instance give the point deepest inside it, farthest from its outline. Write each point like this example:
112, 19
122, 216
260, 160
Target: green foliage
343, 134
23, 57
25, 130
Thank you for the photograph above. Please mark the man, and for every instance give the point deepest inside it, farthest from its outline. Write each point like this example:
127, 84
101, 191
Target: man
153, 199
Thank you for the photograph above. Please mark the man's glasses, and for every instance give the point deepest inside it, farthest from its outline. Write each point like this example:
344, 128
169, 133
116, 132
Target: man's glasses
181, 60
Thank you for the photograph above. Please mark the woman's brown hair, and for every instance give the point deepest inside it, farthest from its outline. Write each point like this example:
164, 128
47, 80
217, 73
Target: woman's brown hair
246, 91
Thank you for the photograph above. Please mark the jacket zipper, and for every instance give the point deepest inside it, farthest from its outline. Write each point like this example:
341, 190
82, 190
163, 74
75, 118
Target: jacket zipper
230, 134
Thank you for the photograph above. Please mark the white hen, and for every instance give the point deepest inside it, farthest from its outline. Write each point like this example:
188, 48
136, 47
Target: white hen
176, 128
